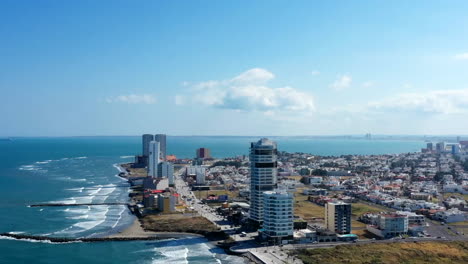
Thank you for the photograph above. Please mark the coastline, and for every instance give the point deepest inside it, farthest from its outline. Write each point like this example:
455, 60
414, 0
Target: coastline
135, 229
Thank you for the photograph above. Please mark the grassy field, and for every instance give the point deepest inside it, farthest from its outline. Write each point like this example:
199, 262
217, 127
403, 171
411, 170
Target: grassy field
358, 209
305, 209
296, 178
464, 223
394, 253
177, 223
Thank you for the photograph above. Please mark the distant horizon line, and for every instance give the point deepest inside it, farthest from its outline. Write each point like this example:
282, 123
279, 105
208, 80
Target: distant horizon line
335, 135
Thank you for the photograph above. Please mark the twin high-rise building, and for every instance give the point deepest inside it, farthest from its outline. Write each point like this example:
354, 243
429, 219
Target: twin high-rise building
146, 139
263, 175
338, 217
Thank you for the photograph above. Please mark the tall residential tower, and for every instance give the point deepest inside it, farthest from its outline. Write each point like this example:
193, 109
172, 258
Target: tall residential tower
263, 174
146, 139
161, 138
154, 159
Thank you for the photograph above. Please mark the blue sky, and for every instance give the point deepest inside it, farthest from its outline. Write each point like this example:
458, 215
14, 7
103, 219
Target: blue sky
233, 67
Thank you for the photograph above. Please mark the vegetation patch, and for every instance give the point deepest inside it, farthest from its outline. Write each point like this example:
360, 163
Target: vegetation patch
178, 223
389, 253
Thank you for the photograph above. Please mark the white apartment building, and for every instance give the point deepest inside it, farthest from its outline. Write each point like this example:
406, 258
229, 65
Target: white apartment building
154, 159
166, 170
278, 214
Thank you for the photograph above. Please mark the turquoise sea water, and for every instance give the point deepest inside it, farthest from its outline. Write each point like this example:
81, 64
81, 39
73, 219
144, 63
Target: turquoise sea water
81, 170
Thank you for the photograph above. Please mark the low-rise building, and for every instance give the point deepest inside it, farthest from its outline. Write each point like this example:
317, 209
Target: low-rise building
390, 225
451, 215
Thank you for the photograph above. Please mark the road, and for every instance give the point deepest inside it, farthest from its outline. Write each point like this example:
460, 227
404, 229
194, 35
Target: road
204, 210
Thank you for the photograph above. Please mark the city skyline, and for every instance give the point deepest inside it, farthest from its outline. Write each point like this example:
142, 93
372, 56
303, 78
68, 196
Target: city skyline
270, 68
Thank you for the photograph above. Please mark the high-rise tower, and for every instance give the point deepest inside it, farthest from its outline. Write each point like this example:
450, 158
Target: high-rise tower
154, 159
161, 138
145, 140
263, 174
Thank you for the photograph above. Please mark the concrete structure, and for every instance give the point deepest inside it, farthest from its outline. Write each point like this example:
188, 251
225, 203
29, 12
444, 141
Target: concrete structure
154, 159
440, 147
430, 146
263, 175
277, 215
413, 218
162, 183
148, 200
200, 172
166, 203
338, 217
145, 141
313, 180
421, 196
161, 138
203, 153
149, 183
451, 216
166, 170
390, 225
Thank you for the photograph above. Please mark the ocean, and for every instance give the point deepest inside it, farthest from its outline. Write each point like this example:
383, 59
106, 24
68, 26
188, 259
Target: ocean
83, 170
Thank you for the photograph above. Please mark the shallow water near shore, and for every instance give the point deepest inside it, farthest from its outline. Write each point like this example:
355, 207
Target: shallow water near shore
82, 170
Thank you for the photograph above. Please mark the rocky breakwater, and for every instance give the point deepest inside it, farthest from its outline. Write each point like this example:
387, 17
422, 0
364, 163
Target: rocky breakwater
71, 240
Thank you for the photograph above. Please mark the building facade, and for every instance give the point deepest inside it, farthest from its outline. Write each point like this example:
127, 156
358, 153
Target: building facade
166, 170
154, 159
145, 141
200, 172
390, 225
263, 175
278, 215
161, 138
338, 217
203, 153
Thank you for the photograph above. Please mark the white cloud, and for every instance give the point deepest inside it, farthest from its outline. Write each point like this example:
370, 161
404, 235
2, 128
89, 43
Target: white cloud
315, 73
249, 92
179, 100
368, 84
342, 82
253, 76
438, 102
461, 56
132, 99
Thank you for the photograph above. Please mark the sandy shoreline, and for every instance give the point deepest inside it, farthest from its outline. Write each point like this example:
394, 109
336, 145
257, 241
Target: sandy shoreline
135, 230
